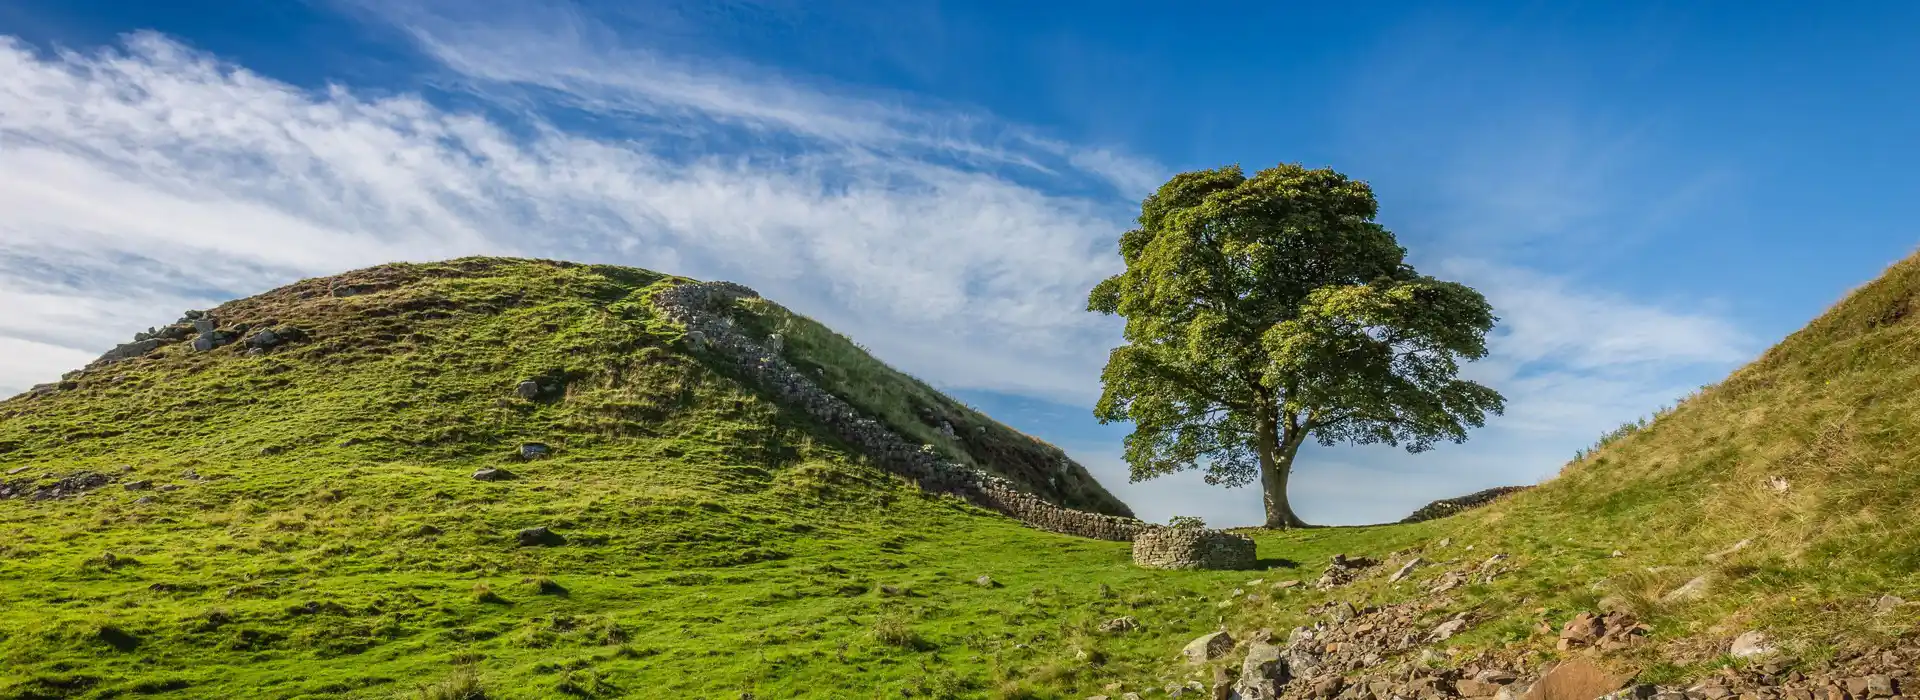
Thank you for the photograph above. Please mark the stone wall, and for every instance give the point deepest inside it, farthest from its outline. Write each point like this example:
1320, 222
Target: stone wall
1448, 506
1192, 548
700, 308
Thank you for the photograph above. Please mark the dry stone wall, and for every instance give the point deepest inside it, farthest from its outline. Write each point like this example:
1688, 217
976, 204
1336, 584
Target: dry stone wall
1192, 548
1448, 506
699, 307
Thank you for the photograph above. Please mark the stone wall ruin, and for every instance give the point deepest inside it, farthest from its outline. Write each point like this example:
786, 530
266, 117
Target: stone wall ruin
699, 307
1192, 548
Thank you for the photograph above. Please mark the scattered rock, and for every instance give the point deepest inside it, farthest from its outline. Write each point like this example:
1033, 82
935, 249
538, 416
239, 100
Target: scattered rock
1751, 643
1262, 673
1283, 585
1583, 630
1208, 647
986, 581
540, 537
1342, 571
1447, 629
1118, 625
1575, 679
140, 485
1887, 603
534, 450
17, 470
1693, 590
1405, 569
528, 390
1722, 554
492, 474
428, 531
167, 487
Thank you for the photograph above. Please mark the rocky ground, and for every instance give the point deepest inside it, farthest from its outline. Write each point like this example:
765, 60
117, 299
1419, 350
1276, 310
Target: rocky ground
1388, 652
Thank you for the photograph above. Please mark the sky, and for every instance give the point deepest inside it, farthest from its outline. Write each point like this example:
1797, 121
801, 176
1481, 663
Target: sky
1649, 194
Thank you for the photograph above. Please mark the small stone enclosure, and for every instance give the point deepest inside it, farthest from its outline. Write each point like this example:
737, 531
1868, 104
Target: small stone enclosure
1192, 548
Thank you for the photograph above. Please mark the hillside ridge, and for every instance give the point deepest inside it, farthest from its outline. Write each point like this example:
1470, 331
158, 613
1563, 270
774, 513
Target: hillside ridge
692, 306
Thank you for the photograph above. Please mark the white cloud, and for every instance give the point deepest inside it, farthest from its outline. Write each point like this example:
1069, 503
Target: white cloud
136, 182
225, 182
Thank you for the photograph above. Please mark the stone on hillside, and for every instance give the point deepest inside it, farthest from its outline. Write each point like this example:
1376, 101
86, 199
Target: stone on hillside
140, 485
986, 581
1475, 688
204, 325
1583, 630
1881, 686
1405, 569
1208, 647
534, 450
1516, 691
1496, 676
1722, 554
528, 390
1887, 603
1447, 629
1262, 673
540, 537
1693, 590
1283, 585
492, 474
1575, 680
1120, 624
263, 339
17, 470
1751, 643
167, 487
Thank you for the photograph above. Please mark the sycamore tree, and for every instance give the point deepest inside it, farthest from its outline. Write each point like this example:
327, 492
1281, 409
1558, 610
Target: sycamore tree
1263, 311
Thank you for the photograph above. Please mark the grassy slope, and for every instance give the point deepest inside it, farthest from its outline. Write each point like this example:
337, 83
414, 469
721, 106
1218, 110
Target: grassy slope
716, 545
677, 482
1832, 413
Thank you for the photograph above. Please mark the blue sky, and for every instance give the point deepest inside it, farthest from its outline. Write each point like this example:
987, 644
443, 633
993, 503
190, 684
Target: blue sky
1649, 193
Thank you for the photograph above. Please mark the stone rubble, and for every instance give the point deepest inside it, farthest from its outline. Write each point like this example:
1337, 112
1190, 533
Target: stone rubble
69, 486
200, 329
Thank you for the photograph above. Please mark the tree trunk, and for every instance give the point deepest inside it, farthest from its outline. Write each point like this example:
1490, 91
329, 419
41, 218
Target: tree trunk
1276, 464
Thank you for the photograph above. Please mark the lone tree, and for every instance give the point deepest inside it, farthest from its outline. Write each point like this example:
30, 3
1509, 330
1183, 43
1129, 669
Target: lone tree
1261, 311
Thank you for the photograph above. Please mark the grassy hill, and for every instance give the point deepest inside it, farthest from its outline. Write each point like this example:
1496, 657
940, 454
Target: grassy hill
310, 526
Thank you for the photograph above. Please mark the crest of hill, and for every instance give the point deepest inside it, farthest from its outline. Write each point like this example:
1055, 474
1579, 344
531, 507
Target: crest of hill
425, 359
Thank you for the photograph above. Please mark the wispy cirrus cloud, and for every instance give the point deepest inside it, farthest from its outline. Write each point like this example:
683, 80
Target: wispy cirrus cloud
218, 181
141, 179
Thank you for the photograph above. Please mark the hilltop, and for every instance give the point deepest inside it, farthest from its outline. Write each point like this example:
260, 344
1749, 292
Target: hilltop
325, 487
304, 521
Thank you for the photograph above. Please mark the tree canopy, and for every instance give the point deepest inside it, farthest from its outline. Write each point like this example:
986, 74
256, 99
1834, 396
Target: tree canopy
1262, 311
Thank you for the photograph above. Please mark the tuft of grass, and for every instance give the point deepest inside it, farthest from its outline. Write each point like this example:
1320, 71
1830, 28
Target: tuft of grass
462, 684
897, 631
483, 593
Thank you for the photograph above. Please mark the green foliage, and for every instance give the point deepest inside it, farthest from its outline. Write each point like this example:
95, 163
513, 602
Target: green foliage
1261, 311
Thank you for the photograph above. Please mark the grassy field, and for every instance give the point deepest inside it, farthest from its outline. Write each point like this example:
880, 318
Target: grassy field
330, 542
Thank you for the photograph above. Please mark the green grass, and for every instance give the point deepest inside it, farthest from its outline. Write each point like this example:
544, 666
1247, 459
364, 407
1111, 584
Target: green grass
717, 545
335, 545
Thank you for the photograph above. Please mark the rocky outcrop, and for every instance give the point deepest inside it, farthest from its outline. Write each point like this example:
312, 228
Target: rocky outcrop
1445, 507
199, 329
1192, 548
699, 307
